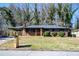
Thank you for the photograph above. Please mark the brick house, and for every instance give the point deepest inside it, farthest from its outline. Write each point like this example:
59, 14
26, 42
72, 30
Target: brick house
38, 30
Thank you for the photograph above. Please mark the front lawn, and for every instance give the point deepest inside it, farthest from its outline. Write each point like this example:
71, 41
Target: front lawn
47, 43
51, 43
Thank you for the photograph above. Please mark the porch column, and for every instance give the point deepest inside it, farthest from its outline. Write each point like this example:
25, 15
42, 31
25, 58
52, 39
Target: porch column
50, 31
66, 34
41, 31
35, 32
23, 32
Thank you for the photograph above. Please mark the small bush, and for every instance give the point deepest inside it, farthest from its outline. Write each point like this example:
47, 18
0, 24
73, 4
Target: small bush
46, 33
54, 34
61, 34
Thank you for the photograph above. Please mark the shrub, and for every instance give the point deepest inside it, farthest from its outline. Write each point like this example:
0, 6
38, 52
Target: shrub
54, 34
61, 34
46, 33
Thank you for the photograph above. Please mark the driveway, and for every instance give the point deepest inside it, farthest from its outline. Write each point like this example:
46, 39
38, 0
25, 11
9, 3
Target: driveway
38, 53
4, 40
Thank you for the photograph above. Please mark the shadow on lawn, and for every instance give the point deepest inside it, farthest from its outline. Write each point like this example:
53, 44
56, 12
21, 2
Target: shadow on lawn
22, 46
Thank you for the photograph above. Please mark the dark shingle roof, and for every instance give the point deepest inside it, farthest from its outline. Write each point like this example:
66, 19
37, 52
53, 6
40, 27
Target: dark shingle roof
16, 27
38, 26
45, 26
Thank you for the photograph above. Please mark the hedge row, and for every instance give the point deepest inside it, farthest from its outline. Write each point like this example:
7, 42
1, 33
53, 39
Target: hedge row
47, 33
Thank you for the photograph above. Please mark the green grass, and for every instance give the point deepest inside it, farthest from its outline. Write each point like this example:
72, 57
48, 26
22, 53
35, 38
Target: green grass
47, 43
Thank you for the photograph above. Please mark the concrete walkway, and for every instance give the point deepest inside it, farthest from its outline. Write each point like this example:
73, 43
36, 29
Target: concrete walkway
38, 53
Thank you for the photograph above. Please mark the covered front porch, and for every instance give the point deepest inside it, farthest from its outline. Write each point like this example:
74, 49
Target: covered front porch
34, 31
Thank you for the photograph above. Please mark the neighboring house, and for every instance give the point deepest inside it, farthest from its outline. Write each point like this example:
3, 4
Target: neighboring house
38, 30
77, 23
76, 33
